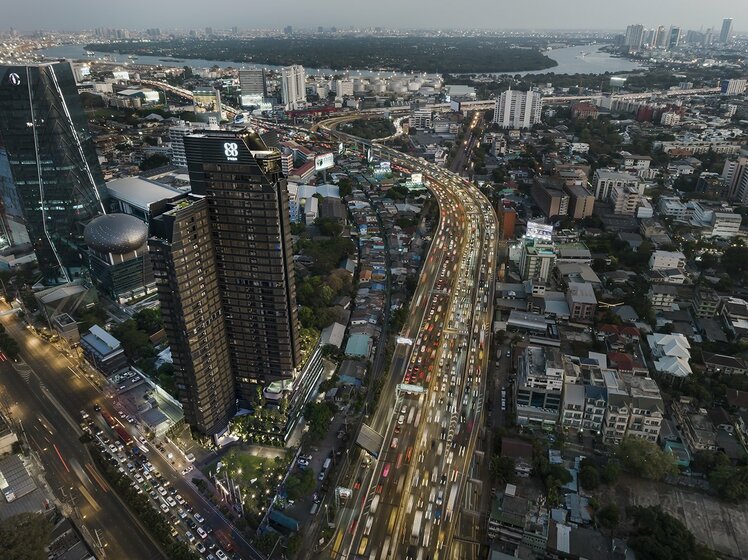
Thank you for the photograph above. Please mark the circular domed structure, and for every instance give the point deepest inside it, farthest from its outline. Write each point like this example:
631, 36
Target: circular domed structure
116, 233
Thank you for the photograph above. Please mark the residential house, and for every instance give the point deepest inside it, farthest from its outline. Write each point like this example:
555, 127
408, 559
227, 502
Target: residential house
734, 314
671, 354
722, 364
662, 296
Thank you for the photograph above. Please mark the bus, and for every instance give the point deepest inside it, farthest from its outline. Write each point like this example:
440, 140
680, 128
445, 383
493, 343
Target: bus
124, 436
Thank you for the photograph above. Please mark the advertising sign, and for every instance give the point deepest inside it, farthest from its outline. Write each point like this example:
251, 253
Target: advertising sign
324, 161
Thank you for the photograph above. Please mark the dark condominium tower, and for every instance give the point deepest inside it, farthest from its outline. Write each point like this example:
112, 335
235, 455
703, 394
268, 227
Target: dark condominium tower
183, 261
247, 279
53, 162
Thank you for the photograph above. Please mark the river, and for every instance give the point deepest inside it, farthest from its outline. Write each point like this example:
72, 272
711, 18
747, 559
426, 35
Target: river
585, 59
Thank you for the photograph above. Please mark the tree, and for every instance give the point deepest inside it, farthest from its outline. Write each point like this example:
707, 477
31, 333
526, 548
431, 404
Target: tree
608, 517
301, 484
24, 537
589, 477
660, 536
502, 469
644, 458
730, 483
153, 162
318, 417
610, 472
149, 320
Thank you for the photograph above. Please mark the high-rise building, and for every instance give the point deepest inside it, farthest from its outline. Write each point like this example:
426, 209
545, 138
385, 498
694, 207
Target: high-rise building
55, 170
253, 84
674, 38
238, 179
735, 175
176, 139
518, 109
726, 33
184, 265
660, 38
293, 86
634, 36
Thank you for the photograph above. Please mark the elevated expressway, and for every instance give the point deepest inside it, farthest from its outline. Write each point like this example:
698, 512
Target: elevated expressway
409, 501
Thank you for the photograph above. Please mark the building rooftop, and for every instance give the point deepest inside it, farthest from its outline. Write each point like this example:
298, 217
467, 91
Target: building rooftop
100, 340
582, 293
140, 192
116, 233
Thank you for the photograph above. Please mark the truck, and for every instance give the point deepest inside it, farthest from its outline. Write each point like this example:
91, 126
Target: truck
451, 502
416, 530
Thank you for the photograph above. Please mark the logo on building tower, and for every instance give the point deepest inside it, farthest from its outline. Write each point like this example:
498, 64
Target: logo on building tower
14, 79
231, 150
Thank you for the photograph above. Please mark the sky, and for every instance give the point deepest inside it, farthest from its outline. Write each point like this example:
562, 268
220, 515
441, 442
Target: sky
28, 15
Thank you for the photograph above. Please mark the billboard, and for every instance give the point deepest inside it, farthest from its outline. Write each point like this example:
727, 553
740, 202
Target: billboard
324, 161
117, 74
416, 178
536, 230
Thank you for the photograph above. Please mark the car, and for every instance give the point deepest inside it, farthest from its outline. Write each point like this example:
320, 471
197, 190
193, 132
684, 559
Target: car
97, 407
508, 354
380, 487
171, 501
199, 518
221, 555
139, 478
164, 507
162, 490
394, 443
386, 470
130, 419
180, 499
191, 524
190, 536
202, 533
357, 484
142, 440
200, 548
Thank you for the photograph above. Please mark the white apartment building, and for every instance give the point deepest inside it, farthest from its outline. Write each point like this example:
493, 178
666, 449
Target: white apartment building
343, 88
518, 109
665, 260
176, 139
293, 86
669, 119
734, 87
672, 207
715, 219
735, 174
539, 386
634, 408
625, 200
605, 179
420, 119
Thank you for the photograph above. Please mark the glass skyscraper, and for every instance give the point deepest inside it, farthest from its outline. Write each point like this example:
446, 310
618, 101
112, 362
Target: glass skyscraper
53, 162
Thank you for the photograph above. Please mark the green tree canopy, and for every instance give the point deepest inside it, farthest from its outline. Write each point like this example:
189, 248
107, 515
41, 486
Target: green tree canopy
24, 537
660, 536
644, 458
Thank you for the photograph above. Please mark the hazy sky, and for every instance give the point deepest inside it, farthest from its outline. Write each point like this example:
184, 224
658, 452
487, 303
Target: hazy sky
493, 14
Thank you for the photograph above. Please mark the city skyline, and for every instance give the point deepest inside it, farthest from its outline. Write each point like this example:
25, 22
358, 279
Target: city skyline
540, 15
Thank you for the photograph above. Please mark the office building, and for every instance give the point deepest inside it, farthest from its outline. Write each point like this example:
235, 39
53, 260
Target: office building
666, 260
176, 139
726, 33
550, 197
184, 265
705, 303
244, 280
582, 301
518, 109
634, 36
293, 87
420, 118
118, 256
605, 179
253, 85
56, 178
581, 201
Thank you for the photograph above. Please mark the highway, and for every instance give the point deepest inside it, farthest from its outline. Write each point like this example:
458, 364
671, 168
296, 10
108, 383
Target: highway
408, 502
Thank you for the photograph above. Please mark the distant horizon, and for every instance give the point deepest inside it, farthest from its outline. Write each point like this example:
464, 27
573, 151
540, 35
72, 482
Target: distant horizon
479, 15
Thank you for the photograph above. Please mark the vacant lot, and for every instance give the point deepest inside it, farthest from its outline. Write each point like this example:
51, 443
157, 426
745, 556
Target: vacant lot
721, 526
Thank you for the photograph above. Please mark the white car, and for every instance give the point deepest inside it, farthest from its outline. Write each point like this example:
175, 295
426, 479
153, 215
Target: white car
162, 490
202, 533
199, 518
171, 502
221, 554
164, 508
190, 536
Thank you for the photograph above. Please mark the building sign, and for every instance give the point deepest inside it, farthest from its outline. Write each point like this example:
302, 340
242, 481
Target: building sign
536, 230
14, 79
324, 161
231, 151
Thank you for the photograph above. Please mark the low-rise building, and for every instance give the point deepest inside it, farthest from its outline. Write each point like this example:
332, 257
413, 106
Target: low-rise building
634, 408
582, 302
672, 207
103, 351
705, 303
604, 180
722, 364
734, 312
664, 260
625, 200
539, 386
671, 354
695, 428
662, 296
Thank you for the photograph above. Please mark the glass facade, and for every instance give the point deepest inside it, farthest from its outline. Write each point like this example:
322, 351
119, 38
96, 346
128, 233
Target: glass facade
55, 169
